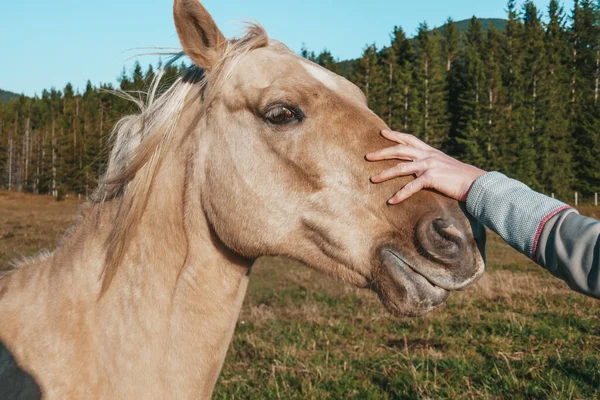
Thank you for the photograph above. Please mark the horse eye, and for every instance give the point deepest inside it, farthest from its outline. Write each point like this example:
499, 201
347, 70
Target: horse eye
281, 115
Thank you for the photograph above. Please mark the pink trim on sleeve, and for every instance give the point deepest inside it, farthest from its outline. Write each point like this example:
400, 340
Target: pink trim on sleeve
540, 228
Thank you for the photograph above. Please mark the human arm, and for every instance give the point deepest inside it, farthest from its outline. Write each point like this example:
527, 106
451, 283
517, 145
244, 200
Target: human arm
548, 231
544, 229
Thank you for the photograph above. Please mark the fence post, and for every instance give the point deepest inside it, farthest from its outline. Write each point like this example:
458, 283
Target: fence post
576, 199
596, 199
552, 195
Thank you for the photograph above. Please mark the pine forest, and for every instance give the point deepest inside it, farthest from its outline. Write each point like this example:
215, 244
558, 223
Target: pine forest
520, 97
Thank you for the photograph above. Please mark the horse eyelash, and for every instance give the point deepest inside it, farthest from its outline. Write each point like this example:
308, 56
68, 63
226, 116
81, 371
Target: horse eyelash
298, 113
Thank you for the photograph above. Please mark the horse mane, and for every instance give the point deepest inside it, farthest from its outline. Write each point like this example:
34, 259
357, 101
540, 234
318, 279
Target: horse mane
139, 141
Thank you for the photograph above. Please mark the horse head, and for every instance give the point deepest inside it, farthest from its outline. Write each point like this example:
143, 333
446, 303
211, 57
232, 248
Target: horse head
282, 172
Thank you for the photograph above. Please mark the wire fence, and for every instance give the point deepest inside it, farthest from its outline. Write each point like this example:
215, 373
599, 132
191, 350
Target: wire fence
579, 200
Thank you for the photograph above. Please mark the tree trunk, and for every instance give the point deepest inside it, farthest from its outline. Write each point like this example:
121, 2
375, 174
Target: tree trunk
390, 97
26, 145
100, 132
477, 116
574, 79
11, 138
43, 160
1, 127
533, 111
597, 75
426, 122
405, 108
53, 188
367, 83
490, 106
74, 127
36, 143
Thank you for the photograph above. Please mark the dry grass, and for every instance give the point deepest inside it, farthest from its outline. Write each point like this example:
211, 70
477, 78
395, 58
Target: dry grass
30, 223
517, 333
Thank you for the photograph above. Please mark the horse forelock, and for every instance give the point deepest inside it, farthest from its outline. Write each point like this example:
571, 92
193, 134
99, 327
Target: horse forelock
139, 140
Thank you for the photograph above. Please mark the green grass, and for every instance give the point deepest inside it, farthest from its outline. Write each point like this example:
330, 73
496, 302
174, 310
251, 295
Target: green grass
303, 336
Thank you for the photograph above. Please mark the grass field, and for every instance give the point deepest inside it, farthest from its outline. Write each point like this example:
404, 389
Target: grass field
518, 333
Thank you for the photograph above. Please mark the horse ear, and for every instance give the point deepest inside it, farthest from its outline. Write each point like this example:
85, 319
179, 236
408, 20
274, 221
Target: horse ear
200, 37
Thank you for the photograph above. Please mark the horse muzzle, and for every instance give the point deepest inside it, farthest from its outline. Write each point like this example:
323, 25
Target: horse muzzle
446, 255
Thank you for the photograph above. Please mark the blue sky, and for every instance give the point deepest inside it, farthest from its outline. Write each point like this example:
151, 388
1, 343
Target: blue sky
49, 43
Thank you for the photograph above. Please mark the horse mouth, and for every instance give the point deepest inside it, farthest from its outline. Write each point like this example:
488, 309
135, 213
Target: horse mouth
403, 290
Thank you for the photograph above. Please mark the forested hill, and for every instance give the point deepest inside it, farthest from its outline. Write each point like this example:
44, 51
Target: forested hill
346, 67
497, 23
521, 97
6, 96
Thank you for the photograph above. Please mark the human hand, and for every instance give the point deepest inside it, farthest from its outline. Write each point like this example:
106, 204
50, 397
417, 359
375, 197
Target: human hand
432, 168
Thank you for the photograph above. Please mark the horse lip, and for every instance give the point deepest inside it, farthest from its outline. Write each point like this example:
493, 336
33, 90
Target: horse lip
420, 295
403, 263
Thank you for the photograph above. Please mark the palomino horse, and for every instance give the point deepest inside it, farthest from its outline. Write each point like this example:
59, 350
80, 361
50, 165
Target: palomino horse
254, 152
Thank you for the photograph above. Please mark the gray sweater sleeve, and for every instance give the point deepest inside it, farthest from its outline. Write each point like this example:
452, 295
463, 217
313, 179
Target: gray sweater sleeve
550, 232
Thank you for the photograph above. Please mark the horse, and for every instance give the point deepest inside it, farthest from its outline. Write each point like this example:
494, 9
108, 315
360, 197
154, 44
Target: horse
253, 152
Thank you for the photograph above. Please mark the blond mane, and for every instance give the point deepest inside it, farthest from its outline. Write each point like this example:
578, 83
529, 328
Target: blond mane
139, 140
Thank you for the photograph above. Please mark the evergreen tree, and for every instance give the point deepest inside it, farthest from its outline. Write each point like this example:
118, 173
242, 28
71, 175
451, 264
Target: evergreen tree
492, 59
150, 75
469, 93
555, 159
588, 164
325, 59
390, 64
584, 88
534, 76
431, 122
518, 155
138, 81
123, 80
309, 55
369, 77
450, 42
403, 89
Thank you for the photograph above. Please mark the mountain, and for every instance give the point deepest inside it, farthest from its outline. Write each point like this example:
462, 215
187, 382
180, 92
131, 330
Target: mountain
499, 24
6, 96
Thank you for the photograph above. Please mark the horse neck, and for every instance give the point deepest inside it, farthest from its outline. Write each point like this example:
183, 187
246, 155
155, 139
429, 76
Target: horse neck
207, 298
193, 284
177, 293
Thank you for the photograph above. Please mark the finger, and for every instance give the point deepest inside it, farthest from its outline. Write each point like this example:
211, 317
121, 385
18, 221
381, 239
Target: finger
402, 169
405, 138
408, 190
398, 152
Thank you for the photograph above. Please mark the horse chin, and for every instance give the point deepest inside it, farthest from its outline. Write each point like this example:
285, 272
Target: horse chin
402, 290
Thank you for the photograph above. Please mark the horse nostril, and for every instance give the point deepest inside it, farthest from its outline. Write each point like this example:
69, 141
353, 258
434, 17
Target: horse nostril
441, 239
447, 230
